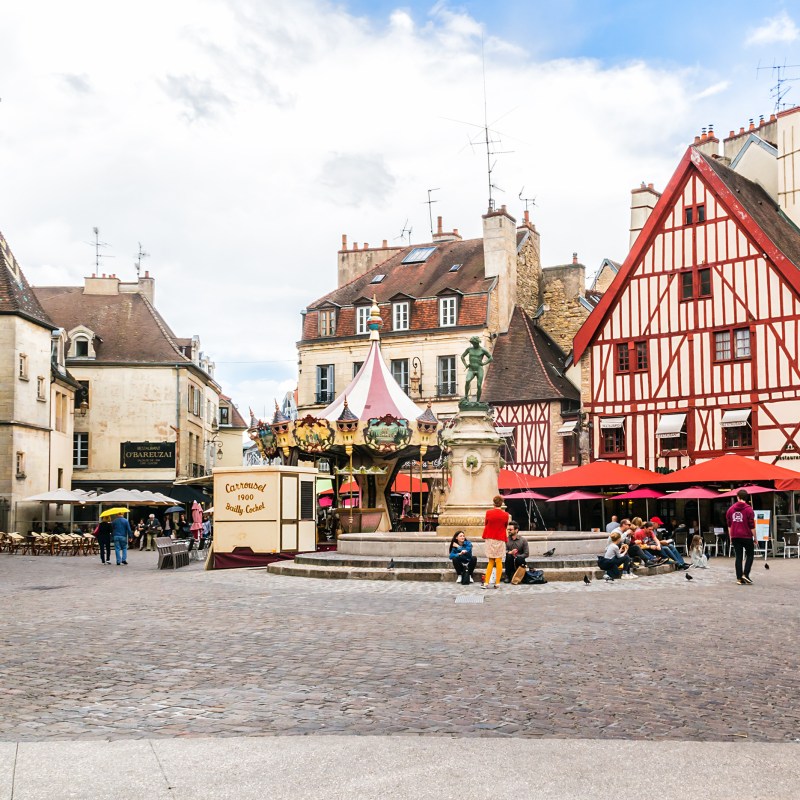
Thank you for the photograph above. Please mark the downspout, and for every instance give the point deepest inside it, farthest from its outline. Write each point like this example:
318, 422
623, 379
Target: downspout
177, 426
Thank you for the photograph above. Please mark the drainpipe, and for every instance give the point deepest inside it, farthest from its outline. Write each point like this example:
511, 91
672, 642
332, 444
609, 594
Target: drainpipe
177, 426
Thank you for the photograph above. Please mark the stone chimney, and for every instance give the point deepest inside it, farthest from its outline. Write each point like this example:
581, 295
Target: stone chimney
767, 129
445, 236
529, 267
789, 163
355, 261
643, 201
147, 287
500, 261
101, 284
706, 142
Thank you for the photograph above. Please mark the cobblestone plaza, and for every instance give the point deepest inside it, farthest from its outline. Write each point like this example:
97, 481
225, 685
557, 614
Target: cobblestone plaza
106, 652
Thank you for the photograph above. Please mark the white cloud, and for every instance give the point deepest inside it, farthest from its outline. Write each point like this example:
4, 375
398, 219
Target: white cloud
779, 29
237, 141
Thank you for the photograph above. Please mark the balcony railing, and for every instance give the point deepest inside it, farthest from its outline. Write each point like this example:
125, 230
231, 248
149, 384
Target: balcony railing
446, 389
326, 396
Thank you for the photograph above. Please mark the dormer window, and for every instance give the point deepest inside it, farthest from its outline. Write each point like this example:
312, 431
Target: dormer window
327, 322
448, 312
82, 343
362, 319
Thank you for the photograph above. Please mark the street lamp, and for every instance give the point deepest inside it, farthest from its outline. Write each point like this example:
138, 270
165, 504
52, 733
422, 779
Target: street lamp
416, 378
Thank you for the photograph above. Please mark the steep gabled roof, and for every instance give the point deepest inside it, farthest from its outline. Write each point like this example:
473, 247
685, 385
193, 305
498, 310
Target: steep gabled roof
528, 366
128, 326
746, 202
16, 295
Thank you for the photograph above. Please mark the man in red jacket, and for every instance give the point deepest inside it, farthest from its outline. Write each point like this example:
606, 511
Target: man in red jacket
742, 530
494, 540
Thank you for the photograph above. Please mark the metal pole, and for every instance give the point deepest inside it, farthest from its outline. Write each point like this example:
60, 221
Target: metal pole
420, 491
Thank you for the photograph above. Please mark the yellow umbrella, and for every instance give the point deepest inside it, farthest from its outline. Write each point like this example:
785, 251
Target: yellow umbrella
112, 512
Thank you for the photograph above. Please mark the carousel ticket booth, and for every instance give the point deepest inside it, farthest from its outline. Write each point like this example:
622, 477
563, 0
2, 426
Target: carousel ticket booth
260, 511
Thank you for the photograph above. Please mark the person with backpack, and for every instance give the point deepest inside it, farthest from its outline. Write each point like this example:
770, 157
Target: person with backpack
741, 521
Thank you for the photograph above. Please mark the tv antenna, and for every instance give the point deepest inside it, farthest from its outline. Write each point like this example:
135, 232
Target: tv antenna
780, 90
430, 203
527, 200
405, 233
97, 244
139, 256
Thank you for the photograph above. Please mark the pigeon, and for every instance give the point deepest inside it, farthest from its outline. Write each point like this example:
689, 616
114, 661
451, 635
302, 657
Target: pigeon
549, 553
688, 576
587, 580
391, 564
766, 566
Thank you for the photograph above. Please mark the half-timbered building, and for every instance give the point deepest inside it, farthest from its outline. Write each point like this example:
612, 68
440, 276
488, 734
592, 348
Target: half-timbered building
693, 348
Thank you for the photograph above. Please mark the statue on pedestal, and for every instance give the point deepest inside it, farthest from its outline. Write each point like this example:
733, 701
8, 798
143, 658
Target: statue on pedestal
474, 358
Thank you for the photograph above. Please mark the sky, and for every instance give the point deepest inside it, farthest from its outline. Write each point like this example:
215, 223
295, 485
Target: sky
237, 140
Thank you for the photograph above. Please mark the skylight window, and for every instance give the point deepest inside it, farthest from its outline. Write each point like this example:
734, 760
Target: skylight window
455, 268
377, 279
418, 255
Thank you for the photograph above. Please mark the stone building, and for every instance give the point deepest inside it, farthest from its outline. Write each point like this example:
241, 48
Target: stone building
37, 399
433, 297
152, 404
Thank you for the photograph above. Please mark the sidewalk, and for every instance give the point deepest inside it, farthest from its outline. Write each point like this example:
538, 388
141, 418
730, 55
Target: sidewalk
396, 768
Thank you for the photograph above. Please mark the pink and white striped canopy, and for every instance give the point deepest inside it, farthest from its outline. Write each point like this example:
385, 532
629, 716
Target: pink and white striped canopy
374, 392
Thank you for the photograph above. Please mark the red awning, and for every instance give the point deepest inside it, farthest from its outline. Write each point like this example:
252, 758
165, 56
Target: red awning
402, 483
351, 487
732, 468
598, 474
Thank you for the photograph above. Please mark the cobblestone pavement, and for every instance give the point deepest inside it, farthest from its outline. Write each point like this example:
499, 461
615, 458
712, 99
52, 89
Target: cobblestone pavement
106, 652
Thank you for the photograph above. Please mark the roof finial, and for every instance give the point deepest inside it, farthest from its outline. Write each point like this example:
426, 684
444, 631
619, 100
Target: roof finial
375, 320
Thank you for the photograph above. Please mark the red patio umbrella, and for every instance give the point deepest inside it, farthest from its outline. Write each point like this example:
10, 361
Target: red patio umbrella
403, 483
730, 468
578, 496
510, 480
197, 519
526, 495
598, 474
350, 487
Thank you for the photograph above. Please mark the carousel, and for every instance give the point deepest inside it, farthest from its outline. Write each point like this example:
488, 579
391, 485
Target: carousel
366, 435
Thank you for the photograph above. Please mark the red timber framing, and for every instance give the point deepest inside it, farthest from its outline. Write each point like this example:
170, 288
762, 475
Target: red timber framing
531, 423
754, 287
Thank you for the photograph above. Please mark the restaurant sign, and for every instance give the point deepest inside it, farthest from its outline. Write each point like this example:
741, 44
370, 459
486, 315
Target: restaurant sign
147, 455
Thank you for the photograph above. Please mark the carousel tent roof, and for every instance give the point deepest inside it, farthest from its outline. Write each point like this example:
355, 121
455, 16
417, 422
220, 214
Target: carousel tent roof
374, 392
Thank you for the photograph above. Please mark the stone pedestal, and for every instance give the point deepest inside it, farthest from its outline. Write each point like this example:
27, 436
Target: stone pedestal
475, 466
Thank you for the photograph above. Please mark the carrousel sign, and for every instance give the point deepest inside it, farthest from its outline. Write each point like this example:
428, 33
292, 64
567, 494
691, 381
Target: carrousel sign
244, 500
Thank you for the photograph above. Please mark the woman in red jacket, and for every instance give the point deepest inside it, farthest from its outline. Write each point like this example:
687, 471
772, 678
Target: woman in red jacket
494, 539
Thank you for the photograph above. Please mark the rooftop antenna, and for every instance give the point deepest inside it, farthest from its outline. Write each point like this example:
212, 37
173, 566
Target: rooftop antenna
139, 256
405, 233
97, 244
527, 200
490, 165
780, 90
430, 211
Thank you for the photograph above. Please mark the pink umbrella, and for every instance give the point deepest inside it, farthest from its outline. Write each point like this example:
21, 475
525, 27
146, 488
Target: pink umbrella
324, 502
694, 493
751, 489
643, 493
526, 495
577, 495
197, 519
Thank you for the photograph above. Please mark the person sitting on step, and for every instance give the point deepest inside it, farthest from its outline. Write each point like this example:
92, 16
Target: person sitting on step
615, 561
461, 555
516, 551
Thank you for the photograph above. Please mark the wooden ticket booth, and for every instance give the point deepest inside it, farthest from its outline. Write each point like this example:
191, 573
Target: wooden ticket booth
261, 511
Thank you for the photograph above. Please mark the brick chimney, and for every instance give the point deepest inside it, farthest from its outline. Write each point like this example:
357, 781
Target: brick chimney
445, 236
707, 143
643, 201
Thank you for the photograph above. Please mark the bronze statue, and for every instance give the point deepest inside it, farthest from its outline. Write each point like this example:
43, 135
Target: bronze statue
476, 355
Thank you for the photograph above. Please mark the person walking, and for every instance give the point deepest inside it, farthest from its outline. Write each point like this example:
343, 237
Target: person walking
121, 531
494, 539
139, 534
103, 534
742, 531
